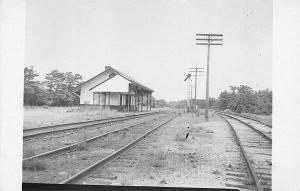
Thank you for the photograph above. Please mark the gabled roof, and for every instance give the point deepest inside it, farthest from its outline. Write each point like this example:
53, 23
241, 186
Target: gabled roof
108, 68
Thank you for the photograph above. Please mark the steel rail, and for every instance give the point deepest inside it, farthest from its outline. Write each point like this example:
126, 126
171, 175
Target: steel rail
250, 167
82, 122
247, 117
85, 125
254, 120
75, 145
101, 163
251, 126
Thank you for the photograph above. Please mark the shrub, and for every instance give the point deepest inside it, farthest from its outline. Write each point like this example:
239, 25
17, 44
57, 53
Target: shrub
158, 157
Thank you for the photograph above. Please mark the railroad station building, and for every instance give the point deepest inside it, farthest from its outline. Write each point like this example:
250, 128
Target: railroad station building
115, 90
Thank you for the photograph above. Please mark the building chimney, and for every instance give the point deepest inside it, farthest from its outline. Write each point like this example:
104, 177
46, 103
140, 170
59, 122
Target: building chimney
107, 67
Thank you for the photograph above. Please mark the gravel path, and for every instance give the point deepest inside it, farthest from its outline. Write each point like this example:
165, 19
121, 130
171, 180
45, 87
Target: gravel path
208, 158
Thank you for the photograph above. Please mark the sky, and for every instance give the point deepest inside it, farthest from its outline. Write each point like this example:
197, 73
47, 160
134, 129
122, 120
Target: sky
153, 41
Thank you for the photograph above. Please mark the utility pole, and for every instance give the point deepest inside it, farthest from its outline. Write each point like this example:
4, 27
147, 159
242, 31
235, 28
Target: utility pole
189, 98
191, 95
208, 40
188, 77
190, 87
196, 70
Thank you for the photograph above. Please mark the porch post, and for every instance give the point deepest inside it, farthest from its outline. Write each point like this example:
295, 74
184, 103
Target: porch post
150, 100
109, 100
147, 102
138, 104
105, 100
142, 103
128, 102
135, 99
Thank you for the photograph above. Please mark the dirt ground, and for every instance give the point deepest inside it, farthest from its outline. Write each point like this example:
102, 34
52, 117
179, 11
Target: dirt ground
45, 115
167, 158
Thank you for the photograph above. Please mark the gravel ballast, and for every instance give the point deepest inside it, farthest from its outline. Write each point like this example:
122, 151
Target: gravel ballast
208, 158
58, 168
41, 144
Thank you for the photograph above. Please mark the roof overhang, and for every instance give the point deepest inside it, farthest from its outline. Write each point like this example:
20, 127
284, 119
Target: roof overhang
112, 70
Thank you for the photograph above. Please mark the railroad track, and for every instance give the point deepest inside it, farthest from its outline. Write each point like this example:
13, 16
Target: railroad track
44, 144
259, 121
257, 151
39, 131
76, 162
74, 146
57, 146
258, 126
246, 118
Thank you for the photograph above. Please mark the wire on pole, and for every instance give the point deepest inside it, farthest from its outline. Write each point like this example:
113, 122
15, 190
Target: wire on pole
209, 34
209, 44
207, 41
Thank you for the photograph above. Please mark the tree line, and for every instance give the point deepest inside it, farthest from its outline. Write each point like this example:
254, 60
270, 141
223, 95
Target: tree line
243, 99
54, 90
179, 104
240, 99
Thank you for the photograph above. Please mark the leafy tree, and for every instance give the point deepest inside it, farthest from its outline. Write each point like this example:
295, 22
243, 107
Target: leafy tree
34, 92
177, 104
54, 81
72, 80
29, 75
213, 103
161, 103
224, 100
55, 90
264, 102
60, 86
243, 99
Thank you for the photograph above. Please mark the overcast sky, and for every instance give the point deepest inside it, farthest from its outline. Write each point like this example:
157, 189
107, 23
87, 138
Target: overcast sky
153, 41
